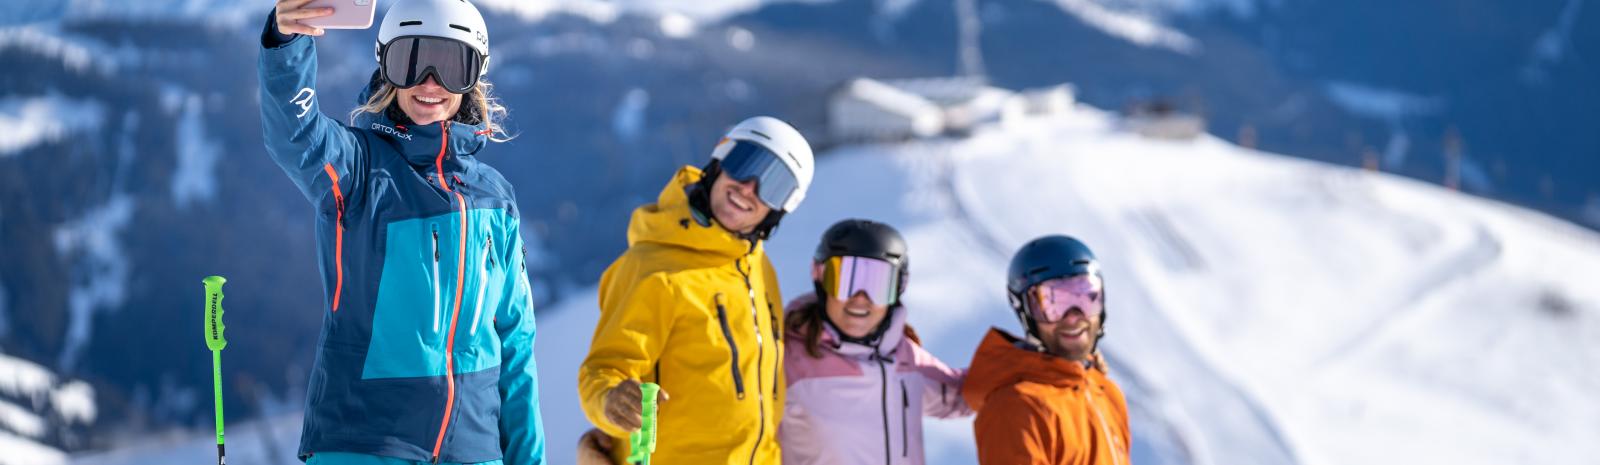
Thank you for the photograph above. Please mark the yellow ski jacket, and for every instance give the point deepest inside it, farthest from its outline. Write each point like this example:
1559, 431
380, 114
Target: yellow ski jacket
696, 309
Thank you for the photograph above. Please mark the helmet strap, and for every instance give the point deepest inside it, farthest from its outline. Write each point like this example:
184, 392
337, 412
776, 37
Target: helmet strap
699, 194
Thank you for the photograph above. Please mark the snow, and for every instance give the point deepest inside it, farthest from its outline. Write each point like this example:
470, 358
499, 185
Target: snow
600, 12
1263, 309
1137, 28
1551, 47
50, 118
676, 26
194, 178
22, 379
1273, 310
869, 108
1380, 103
270, 441
890, 11
19, 451
627, 121
31, 405
21, 421
40, 40
74, 402
1243, 9
223, 13
100, 268
1391, 107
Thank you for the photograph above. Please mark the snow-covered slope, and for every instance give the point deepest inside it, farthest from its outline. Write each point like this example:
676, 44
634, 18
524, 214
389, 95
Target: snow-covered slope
37, 409
1269, 310
1263, 309
267, 441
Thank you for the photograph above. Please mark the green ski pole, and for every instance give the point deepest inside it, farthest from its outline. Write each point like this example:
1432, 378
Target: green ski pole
642, 443
216, 342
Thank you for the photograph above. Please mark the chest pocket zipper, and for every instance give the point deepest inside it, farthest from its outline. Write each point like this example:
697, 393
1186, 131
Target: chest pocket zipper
436, 289
483, 282
905, 404
733, 347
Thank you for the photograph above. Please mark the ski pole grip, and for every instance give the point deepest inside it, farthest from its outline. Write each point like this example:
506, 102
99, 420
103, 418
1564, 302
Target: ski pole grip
214, 327
642, 443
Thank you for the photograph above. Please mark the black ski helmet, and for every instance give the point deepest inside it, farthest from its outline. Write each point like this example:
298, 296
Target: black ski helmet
870, 239
866, 238
1047, 258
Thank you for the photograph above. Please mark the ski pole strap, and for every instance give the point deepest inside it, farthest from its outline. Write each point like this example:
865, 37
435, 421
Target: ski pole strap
642, 443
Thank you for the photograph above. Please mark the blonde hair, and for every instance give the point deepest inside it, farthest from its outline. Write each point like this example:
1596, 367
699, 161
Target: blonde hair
481, 100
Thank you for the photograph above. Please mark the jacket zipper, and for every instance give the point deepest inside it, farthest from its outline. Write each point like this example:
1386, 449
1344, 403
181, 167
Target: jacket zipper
883, 386
435, 278
905, 404
483, 283
1111, 439
455, 313
733, 348
761, 354
338, 235
777, 341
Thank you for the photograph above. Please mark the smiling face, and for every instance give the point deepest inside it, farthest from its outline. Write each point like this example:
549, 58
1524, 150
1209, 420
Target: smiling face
856, 317
1071, 337
428, 103
735, 205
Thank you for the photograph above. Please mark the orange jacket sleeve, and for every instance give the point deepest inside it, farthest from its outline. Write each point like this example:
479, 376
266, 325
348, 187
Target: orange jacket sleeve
1011, 430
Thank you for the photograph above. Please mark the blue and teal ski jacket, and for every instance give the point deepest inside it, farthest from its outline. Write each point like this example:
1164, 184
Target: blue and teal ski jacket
426, 351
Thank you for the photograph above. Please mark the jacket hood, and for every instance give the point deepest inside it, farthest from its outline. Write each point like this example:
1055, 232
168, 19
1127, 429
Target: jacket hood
1003, 360
670, 223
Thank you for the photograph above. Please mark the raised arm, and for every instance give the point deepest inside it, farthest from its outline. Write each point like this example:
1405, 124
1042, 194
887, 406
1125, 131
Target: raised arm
312, 148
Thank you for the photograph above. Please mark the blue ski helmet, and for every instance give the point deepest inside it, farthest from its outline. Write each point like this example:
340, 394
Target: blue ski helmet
1041, 260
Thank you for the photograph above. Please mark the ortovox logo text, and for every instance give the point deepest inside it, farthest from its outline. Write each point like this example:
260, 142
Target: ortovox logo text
303, 99
390, 131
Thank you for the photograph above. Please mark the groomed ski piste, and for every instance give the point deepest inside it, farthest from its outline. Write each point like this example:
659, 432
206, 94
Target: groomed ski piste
1262, 309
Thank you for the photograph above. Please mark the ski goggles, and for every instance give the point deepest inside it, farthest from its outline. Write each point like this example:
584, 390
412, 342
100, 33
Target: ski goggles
1050, 301
775, 182
844, 277
408, 61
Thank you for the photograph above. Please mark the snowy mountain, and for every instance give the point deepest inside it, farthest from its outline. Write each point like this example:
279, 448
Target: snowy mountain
133, 165
1263, 309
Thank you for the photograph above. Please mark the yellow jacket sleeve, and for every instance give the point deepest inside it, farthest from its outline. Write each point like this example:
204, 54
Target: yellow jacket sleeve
635, 320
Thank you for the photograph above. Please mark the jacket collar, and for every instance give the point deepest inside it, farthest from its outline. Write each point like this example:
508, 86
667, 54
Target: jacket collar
885, 345
669, 222
894, 334
421, 145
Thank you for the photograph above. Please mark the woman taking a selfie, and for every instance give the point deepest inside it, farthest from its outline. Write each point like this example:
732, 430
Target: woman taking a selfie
426, 351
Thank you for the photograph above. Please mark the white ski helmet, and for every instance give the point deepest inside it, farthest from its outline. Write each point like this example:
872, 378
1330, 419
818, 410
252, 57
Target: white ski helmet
450, 19
783, 141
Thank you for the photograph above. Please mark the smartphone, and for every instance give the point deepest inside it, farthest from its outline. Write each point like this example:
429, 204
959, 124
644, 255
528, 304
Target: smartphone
347, 14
